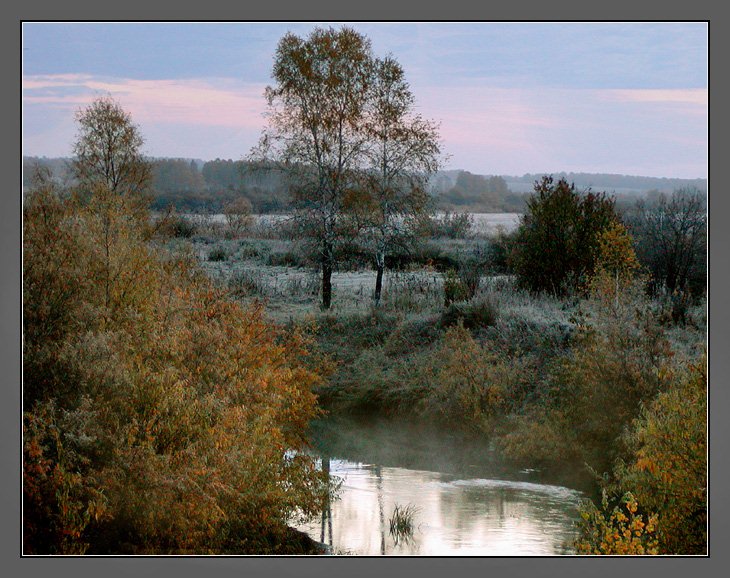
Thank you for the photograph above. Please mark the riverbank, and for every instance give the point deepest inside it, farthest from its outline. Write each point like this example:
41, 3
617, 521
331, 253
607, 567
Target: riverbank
553, 386
500, 364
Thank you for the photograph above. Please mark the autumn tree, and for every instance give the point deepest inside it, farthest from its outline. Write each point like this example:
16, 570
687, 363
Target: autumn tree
314, 131
108, 149
616, 265
403, 152
556, 244
157, 413
668, 472
238, 215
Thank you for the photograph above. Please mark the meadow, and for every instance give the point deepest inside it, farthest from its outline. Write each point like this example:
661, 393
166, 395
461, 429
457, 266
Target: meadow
449, 304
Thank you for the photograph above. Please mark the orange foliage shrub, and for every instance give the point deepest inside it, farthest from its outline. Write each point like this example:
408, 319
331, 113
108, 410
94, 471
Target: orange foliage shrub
181, 414
669, 469
621, 530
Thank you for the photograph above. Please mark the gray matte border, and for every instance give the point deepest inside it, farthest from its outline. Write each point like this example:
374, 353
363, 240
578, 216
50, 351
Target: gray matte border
13, 11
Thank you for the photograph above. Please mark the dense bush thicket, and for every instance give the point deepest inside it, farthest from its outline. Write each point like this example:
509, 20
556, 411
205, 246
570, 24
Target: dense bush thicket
662, 485
670, 234
448, 225
158, 416
557, 241
157, 413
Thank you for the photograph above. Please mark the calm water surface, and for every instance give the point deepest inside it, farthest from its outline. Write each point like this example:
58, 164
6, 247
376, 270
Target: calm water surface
485, 223
461, 510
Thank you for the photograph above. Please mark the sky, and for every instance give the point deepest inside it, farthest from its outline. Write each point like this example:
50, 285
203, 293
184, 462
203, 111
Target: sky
511, 98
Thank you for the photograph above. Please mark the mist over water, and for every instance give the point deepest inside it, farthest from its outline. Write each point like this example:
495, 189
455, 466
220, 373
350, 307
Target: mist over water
465, 502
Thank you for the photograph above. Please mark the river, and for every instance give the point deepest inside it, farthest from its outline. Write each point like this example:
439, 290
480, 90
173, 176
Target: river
463, 502
482, 223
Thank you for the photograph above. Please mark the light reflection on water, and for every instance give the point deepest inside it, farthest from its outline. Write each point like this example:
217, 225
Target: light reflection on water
455, 517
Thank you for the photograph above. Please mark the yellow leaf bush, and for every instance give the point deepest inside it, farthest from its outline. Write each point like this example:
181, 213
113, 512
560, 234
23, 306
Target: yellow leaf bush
181, 414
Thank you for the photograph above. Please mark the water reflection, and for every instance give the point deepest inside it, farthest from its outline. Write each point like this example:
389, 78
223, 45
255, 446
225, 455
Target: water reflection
454, 516
327, 509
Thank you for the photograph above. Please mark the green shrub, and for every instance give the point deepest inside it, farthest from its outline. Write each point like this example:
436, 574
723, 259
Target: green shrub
455, 288
252, 250
288, 258
238, 216
247, 284
178, 226
346, 336
618, 361
467, 382
218, 253
412, 335
668, 470
449, 225
498, 252
539, 437
620, 530
557, 242
472, 315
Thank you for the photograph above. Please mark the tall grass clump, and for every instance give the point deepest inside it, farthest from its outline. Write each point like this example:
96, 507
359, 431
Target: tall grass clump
473, 315
448, 225
217, 254
411, 292
402, 522
247, 283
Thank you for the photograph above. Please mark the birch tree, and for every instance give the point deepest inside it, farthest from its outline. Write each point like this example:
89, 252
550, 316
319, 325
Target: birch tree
403, 153
315, 111
108, 149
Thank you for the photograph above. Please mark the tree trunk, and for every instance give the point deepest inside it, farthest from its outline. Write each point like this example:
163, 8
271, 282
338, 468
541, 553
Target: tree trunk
326, 283
379, 267
378, 283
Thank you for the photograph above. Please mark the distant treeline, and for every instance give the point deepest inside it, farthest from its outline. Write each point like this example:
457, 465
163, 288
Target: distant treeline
610, 183
192, 186
179, 183
477, 193
197, 186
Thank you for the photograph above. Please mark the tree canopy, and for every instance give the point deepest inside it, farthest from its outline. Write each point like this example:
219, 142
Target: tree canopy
403, 153
558, 240
108, 149
341, 126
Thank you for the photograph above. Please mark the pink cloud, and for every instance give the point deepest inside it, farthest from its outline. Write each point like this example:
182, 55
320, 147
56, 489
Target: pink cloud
515, 130
485, 117
696, 96
484, 129
211, 102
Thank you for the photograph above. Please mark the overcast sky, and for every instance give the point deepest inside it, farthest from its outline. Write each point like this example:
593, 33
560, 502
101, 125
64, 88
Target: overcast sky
512, 98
